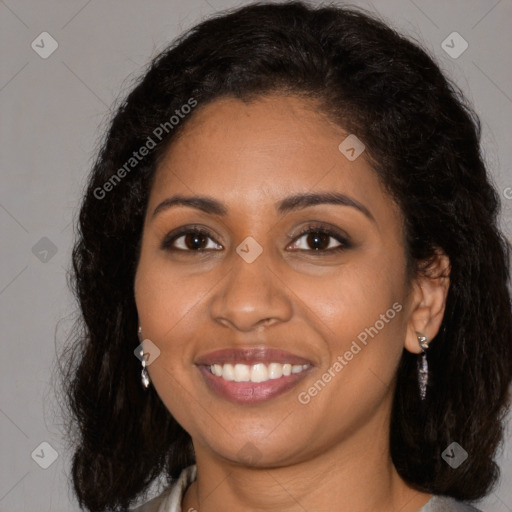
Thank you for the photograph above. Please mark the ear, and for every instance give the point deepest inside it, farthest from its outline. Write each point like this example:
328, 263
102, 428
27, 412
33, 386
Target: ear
428, 300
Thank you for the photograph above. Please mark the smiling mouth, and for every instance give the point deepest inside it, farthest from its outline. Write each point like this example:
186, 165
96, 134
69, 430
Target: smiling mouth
258, 372
277, 379
251, 374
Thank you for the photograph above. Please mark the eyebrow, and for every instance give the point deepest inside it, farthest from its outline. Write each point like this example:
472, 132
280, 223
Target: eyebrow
291, 203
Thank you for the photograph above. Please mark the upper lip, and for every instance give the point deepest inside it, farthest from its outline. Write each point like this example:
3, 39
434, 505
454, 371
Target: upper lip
250, 356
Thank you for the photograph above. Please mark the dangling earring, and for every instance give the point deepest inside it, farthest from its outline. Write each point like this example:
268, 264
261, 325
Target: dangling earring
144, 373
422, 365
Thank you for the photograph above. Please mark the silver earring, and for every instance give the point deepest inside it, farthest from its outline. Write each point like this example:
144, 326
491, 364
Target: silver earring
144, 375
422, 365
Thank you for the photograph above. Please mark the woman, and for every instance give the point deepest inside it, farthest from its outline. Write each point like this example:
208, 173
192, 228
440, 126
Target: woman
291, 226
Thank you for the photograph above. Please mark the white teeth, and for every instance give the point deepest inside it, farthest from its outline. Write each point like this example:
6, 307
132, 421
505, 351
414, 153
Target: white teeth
242, 373
258, 372
275, 370
227, 372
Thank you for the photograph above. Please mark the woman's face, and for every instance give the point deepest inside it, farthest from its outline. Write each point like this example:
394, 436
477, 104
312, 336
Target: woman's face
332, 303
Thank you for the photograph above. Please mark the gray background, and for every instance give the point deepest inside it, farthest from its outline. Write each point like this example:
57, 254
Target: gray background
54, 111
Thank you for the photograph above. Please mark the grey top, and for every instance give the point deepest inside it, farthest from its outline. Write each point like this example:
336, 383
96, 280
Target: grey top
445, 504
170, 499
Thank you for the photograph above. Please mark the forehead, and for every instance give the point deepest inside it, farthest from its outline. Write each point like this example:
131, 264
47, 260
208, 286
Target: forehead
250, 153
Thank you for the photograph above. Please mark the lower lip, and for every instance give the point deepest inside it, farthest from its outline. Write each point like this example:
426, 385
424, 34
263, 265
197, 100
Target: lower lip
250, 392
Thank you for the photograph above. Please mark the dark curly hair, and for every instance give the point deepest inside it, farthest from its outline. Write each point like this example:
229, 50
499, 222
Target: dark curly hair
423, 141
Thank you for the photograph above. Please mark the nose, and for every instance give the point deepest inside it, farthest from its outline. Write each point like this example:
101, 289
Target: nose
251, 296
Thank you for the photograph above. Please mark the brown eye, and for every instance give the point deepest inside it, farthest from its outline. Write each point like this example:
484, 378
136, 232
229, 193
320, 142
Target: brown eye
321, 240
190, 240
318, 241
194, 241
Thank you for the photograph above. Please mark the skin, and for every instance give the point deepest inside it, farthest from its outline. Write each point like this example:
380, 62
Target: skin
335, 449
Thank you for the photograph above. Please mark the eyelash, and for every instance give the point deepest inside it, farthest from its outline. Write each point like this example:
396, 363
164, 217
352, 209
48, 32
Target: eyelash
312, 228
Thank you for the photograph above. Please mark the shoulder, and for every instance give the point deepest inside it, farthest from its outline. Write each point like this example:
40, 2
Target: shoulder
170, 499
154, 504
447, 504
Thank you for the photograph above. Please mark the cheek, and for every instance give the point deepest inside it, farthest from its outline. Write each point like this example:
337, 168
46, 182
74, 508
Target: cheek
163, 298
359, 313
166, 309
352, 299
361, 323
